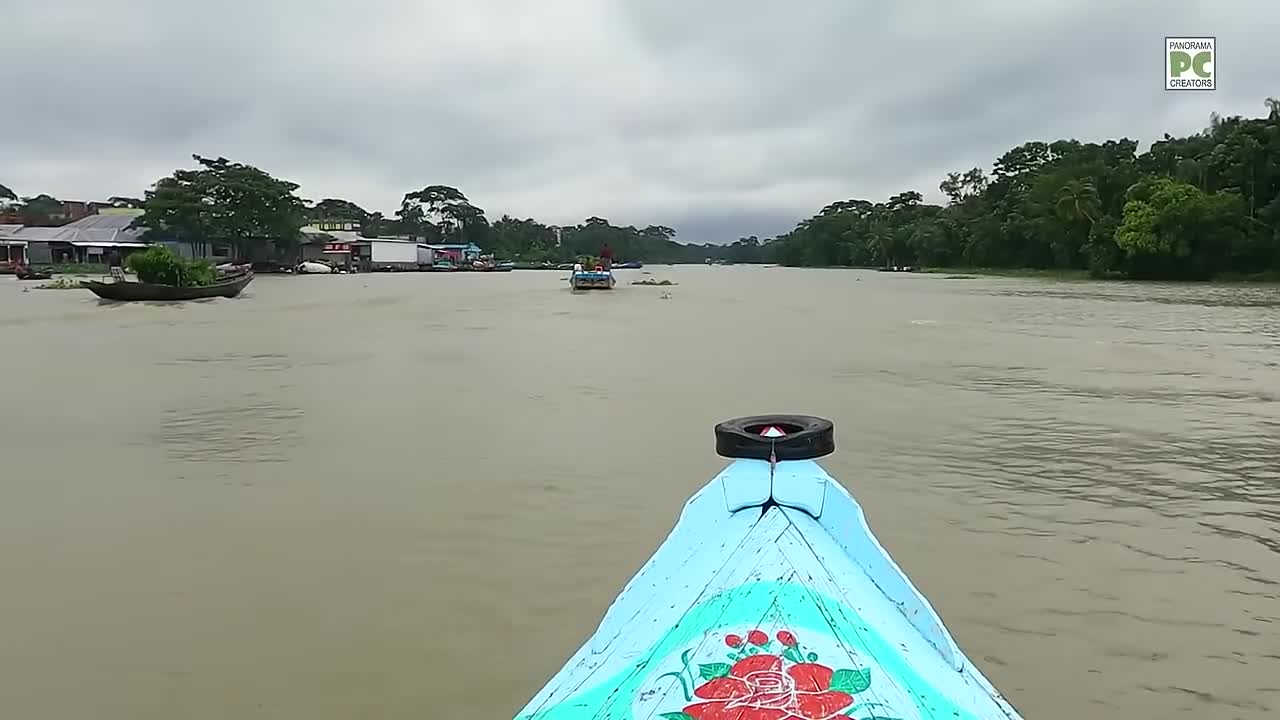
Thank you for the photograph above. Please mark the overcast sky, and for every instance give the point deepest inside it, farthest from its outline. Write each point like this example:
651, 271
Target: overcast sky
719, 118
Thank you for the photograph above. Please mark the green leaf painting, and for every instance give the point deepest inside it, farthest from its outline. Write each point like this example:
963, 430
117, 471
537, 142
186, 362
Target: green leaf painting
711, 671
851, 681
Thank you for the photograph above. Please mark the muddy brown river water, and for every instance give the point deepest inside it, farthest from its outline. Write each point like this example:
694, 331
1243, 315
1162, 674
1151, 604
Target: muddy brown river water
413, 496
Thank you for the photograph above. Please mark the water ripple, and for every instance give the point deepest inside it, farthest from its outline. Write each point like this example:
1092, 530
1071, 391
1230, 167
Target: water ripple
245, 428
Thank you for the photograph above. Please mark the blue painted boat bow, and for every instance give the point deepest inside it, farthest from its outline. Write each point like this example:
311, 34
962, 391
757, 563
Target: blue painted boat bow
770, 600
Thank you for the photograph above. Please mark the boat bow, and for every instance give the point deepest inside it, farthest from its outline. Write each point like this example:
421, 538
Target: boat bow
770, 600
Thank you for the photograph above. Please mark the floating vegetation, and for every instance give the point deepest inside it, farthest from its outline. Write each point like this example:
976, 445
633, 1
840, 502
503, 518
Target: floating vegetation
652, 282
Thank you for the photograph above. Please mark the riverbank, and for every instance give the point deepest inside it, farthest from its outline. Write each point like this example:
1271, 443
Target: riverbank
1052, 274
959, 272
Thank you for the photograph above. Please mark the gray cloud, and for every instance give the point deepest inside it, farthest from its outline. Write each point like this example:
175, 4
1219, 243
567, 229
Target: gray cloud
718, 118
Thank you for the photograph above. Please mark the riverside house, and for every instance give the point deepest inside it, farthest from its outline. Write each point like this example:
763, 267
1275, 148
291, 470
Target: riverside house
87, 240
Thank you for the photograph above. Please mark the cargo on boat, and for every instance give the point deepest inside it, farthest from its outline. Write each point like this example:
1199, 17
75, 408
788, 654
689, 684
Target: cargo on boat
770, 600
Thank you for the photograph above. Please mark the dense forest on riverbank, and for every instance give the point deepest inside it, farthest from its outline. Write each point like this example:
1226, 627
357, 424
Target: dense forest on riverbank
1193, 207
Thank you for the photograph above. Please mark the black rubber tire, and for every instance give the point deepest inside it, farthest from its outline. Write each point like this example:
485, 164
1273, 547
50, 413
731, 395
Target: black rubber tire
807, 437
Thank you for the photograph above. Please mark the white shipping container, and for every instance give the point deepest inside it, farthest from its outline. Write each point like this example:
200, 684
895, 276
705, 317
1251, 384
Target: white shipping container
426, 256
393, 252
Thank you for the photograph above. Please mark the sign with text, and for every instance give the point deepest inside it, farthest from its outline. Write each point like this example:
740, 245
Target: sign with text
1190, 63
337, 247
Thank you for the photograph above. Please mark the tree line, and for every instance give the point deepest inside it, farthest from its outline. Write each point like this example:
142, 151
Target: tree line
221, 202
1191, 208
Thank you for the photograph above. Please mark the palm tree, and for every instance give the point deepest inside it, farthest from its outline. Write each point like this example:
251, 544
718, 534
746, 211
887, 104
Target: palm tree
1078, 200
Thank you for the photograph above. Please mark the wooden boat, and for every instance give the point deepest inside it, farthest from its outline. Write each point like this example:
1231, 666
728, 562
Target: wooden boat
138, 291
770, 600
591, 279
483, 266
29, 274
271, 267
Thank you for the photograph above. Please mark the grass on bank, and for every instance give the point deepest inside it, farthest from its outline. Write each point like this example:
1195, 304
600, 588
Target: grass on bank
962, 272
1270, 276
73, 268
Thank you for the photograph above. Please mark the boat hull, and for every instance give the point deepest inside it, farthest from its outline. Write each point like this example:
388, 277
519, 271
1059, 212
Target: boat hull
313, 268
771, 598
143, 292
591, 280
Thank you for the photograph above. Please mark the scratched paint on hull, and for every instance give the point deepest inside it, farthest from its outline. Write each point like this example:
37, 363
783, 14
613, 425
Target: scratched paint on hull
650, 689
777, 678
743, 562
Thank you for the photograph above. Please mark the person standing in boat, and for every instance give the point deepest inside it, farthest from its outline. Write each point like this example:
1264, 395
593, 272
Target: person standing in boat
606, 257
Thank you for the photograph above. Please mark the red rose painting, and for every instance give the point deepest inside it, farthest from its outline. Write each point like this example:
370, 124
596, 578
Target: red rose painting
766, 686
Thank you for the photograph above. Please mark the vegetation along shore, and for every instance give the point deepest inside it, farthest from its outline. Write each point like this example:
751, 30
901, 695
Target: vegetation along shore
1199, 207
1191, 208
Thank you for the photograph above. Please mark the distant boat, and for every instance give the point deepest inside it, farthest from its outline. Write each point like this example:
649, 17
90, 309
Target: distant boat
27, 273
126, 290
233, 268
268, 267
490, 266
631, 265
770, 600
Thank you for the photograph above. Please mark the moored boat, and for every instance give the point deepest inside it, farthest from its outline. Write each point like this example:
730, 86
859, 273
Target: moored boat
770, 600
230, 269
313, 267
227, 287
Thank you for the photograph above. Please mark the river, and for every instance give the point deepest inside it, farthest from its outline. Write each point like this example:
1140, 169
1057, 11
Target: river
413, 496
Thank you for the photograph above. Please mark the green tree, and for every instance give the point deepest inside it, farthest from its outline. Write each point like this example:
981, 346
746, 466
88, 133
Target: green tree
224, 202
444, 213
42, 210
1188, 207
335, 209
1173, 229
373, 226
527, 240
